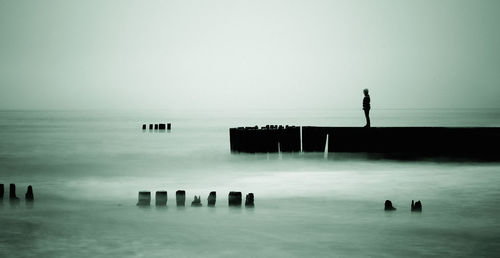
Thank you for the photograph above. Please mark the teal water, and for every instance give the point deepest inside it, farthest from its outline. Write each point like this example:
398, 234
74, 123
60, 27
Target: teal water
86, 168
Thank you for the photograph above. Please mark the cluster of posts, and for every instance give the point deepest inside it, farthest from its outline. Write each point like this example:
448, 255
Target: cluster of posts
415, 206
158, 127
29, 197
269, 138
161, 197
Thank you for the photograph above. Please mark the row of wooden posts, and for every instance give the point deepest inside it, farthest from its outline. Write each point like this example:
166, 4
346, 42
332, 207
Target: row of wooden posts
29, 197
234, 199
158, 126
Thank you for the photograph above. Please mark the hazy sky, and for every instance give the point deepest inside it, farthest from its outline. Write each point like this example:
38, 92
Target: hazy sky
260, 53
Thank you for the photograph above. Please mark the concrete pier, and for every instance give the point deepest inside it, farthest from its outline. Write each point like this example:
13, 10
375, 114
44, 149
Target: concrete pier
144, 198
161, 198
180, 197
479, 143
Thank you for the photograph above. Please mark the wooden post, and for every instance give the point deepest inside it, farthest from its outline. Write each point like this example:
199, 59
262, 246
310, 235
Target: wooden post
144, 198
180, 197
211, 199
161, 198
29, 194
234, 199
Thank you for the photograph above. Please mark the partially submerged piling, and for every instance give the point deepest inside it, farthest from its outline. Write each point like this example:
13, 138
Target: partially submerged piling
249, 201
234, 199
144, 198
196, 202
29, 197
417, 206
12, 193
388, 206
2, 190
211, 199
161, 198
180, 197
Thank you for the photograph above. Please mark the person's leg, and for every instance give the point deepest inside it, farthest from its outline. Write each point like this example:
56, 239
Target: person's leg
367, 116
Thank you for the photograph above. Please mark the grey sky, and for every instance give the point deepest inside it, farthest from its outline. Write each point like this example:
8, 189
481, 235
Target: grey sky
265, 54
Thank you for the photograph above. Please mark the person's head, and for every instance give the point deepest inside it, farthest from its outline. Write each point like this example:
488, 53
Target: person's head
365, 91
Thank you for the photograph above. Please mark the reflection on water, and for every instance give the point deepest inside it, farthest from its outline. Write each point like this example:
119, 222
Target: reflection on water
86, 170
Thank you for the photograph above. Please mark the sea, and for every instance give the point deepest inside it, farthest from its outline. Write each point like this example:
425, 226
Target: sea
87, 167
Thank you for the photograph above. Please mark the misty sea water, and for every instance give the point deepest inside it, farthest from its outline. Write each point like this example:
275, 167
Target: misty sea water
86, 168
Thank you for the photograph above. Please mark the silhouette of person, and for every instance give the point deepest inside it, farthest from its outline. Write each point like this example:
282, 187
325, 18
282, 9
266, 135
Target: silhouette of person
366, 107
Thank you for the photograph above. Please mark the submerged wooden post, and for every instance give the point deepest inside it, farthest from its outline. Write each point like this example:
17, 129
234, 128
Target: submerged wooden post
144, 198
169, 126
161, 126
211, 199
416, 206
388, 206
29, 194
180, 197
150, 126
156, 126
249, 201
196, 202
234, 199
144, 127
1, 192
161, 198
12, 193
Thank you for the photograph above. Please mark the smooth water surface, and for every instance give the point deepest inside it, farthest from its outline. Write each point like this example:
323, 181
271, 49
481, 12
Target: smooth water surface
86, 168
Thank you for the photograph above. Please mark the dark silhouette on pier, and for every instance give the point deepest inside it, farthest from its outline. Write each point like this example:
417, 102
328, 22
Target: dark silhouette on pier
388, 206
366, 107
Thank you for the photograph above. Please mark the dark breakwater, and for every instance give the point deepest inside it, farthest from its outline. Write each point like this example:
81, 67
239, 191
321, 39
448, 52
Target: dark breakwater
477, 143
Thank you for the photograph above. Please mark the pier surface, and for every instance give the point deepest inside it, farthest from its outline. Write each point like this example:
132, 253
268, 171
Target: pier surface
480, 143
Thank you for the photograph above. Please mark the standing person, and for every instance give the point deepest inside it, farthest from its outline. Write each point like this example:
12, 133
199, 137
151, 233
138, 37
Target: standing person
366, 107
